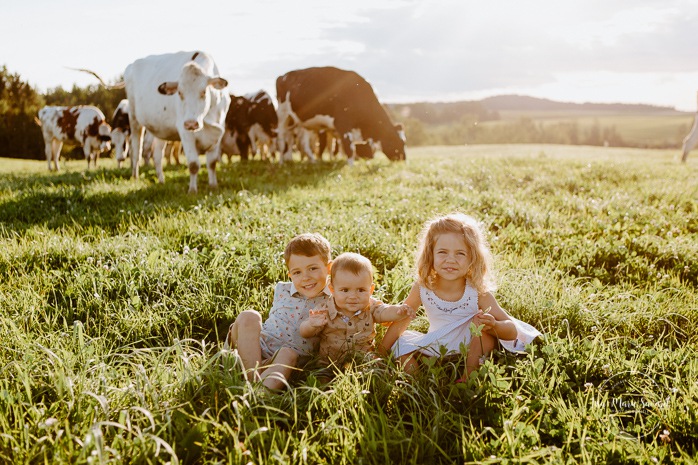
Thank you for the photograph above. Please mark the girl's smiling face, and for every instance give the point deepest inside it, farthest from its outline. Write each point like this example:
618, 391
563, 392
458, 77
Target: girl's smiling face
451, 257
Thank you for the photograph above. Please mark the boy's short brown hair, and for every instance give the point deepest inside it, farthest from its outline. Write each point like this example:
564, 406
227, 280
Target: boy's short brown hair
351, 262
309, 245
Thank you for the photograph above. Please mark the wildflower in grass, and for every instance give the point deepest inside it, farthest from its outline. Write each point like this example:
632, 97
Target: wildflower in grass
665, 437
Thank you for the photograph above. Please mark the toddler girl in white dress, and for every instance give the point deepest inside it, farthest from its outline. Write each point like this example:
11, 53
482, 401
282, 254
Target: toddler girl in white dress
455, 285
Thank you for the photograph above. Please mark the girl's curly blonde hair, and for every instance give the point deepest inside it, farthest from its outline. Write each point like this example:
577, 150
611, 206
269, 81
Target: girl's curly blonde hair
481, 272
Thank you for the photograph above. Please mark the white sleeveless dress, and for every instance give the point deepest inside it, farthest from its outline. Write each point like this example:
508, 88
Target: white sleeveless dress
449, 326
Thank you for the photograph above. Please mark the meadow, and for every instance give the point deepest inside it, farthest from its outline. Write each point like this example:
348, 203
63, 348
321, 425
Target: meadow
115, 295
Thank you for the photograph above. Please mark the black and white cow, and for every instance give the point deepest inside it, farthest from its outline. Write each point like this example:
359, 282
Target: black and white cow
120, 131
338, 100
250, 126
83, 124
177, 97
121, 134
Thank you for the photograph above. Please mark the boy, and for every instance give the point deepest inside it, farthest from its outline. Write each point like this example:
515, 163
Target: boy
346, 322
272, 350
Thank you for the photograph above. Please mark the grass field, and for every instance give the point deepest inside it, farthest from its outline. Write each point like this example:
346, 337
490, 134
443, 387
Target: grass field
114, 295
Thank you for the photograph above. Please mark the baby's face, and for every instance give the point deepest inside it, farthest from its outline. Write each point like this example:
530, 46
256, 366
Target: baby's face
308, 274
352, 292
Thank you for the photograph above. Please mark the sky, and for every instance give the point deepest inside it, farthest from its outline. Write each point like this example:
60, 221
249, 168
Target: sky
602, 51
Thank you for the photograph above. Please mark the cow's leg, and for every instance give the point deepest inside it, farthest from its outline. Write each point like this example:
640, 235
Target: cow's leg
87, 150
169, 153
305, 145
158, 152
253, 146
136, 146
348, 148
690, 141
192, 155
323, 137
57, 145
48, 150
177, 150
212, 158
244, 144
285, 132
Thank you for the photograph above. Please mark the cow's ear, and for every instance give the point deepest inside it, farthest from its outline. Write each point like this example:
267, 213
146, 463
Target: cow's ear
218, 83
167, 88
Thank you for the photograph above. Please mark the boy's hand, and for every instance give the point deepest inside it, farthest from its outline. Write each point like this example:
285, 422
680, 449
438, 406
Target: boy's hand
406, 311
317, 318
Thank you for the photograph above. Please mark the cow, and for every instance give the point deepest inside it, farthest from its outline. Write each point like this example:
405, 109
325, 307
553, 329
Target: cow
338, 100
121, 133
177, 97
83, 124
250, 125
691, 140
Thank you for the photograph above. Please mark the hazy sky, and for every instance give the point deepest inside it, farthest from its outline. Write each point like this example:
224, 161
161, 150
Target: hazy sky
632, 51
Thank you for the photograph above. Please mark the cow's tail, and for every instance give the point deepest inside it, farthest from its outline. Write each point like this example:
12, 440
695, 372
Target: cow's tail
37, 121
118, 85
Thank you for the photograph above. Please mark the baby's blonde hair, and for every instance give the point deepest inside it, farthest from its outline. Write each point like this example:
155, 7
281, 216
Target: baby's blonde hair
481, 273
351, 262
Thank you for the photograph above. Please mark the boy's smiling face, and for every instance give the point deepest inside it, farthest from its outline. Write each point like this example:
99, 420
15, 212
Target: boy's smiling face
308, 274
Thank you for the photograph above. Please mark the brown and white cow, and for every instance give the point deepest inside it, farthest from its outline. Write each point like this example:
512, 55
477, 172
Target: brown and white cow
690, 141
177, 97
250, 126
83, 124
338, 100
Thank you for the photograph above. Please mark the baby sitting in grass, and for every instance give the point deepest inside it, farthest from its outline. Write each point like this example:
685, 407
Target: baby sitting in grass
346, 324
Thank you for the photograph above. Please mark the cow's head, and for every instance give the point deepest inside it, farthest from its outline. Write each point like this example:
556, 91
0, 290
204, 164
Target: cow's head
119, 140
194, 91
392, 141
393, 147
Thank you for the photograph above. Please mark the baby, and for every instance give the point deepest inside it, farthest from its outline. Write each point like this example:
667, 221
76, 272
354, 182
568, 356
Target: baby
346, 324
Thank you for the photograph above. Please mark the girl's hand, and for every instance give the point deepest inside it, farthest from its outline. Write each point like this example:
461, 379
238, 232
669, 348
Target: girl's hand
318, 318
483, 318
406, 311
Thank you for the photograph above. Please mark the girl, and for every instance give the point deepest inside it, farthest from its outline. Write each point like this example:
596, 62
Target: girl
455, 284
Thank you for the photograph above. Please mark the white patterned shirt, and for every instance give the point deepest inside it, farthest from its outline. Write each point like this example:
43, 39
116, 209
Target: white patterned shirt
289, 310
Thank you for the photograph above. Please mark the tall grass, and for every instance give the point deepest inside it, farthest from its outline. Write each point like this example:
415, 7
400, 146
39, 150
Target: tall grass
114, 295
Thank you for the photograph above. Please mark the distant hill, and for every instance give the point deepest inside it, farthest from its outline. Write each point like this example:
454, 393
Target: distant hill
488, 109
525, 103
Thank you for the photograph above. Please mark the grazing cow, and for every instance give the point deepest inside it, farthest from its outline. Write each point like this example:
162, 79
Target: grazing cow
84, 124
691, 140
177, 97
250, 125
338, 100
121, 133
